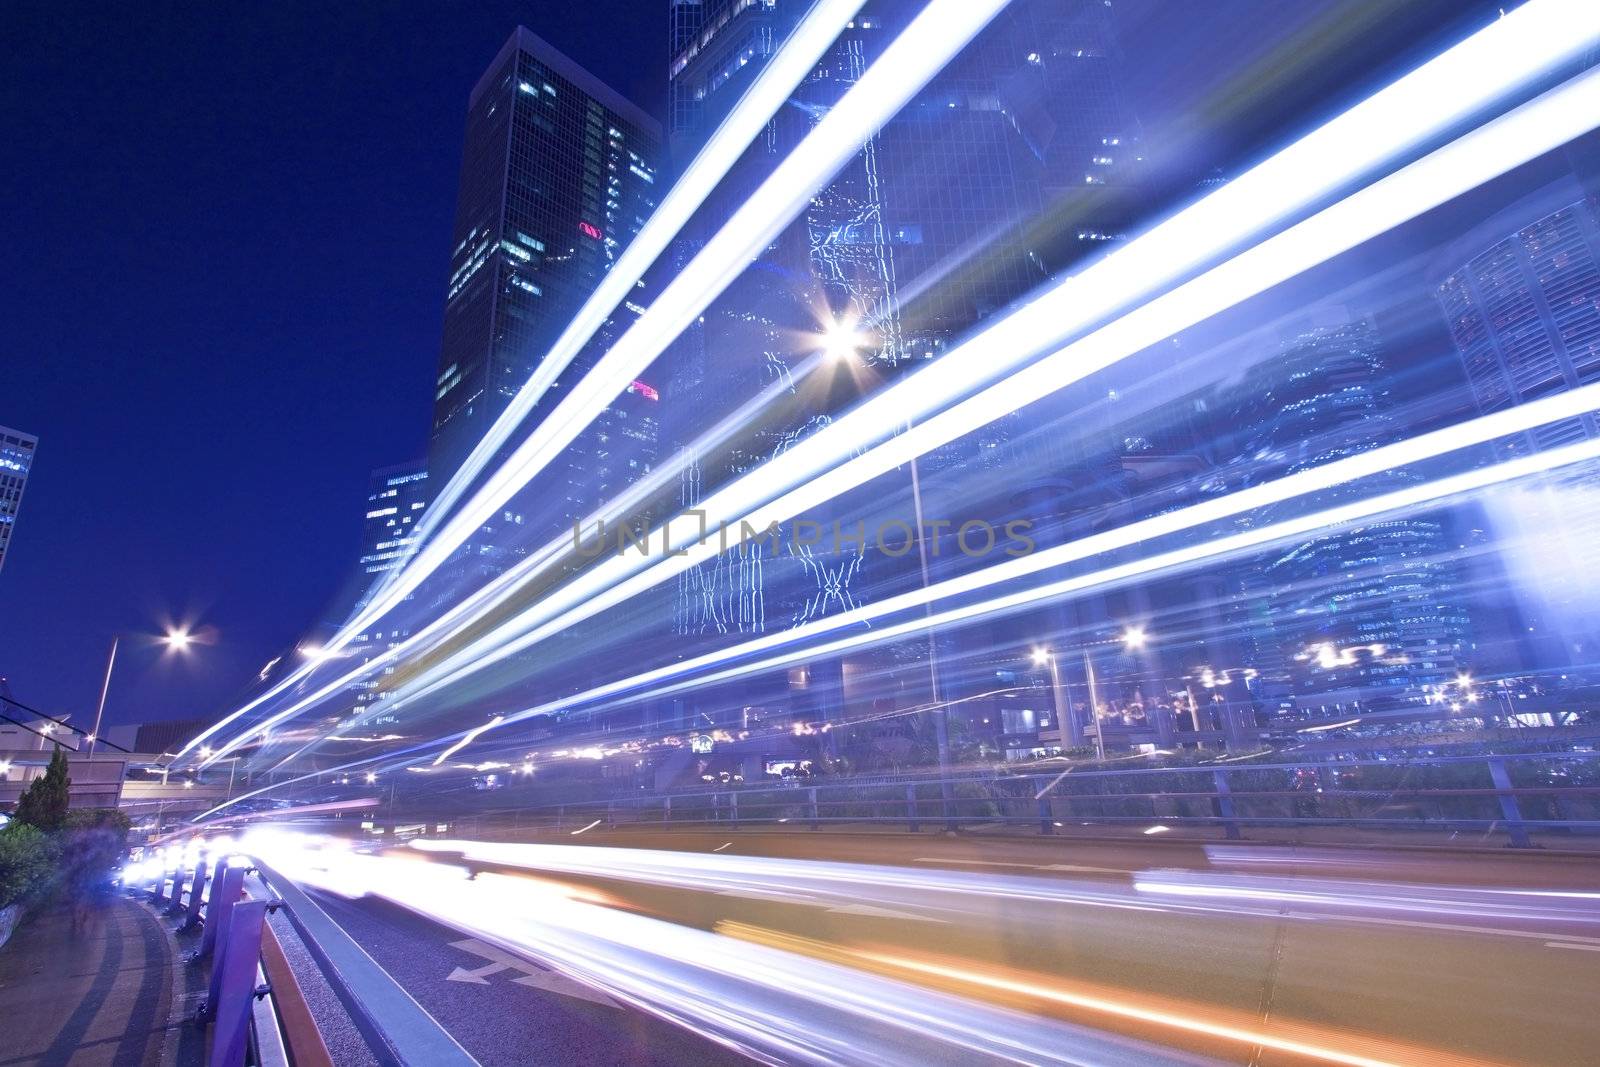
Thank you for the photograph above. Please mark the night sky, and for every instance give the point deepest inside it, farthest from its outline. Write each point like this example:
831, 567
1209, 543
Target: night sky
225, 231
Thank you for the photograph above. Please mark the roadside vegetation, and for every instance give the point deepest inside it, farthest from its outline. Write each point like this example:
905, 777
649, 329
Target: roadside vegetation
51, 855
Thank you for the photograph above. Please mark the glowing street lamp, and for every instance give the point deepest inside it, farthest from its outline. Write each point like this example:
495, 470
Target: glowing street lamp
842, 342
176, 639
1132, 638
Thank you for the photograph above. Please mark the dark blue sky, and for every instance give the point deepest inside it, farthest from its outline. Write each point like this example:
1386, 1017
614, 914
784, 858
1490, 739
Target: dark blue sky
225, 231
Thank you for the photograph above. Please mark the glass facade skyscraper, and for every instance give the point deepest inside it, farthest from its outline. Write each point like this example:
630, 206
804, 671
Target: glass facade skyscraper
1522, 303
1524, 311
396, 500
558, 173
1361, 617
16, 459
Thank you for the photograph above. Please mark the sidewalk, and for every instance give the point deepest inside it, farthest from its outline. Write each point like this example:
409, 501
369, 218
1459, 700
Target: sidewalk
114, 993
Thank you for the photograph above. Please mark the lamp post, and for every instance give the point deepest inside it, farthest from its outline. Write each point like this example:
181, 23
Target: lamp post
1132, 638
842, 342
1066, 721
177, 640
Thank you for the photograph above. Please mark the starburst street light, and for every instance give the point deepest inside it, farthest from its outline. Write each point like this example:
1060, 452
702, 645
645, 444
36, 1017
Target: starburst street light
177, 639
842, 342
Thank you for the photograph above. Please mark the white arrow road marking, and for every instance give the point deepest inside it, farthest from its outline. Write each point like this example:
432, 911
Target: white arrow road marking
556, 982
532, 974
480, 976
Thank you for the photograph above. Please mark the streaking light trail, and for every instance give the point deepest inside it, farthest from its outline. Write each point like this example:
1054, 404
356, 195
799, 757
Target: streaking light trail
1538, 127
1357, 511
1410, 111
771, 90
769, 93
935, 36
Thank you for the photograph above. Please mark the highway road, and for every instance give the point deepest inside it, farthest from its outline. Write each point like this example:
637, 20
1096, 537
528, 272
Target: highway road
503, 1008
880, 948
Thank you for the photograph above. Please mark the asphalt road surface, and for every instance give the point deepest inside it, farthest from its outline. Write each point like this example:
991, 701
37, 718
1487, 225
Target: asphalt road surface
504, 1009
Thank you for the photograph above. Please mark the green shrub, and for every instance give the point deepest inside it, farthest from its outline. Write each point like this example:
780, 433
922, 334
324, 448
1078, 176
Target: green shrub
27, 862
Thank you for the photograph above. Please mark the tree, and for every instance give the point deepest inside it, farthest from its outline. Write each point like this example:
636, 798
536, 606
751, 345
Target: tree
44, 804
27, 862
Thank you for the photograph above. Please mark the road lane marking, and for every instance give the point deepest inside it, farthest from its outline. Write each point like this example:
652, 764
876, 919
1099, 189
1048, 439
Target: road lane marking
1572, 944
722, 846
532, 975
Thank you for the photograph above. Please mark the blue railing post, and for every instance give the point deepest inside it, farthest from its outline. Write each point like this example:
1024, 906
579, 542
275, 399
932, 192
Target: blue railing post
1046, 823
225, 886
192, 917
814, 819
1230, 828
913, 816
1510, 810
733, 808
666, 810
176, 904
233, 984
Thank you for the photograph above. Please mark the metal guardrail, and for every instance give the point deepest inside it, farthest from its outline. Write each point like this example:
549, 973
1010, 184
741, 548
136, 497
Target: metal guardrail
238, 1005
1514, 794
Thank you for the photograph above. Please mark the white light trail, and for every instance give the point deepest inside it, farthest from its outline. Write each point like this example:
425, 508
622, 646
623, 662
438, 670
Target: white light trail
933, 38
782, 73
1468, 78
1357, 511
827, 467
503, 587
771, 90
775, 1005
471, 735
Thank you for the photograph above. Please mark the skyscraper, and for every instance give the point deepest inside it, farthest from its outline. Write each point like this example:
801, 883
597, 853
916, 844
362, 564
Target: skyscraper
16, 458
1524, 308
558, 173
396, 499
1358, 617
1522, 301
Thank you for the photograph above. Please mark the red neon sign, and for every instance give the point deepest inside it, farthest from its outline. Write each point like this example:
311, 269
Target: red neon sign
646, 391
590, 230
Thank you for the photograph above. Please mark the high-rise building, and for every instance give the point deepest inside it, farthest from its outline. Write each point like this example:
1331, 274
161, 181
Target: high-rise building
396, 499
1524, 310
1361, 617
558, 173
16, 459
1522, 302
